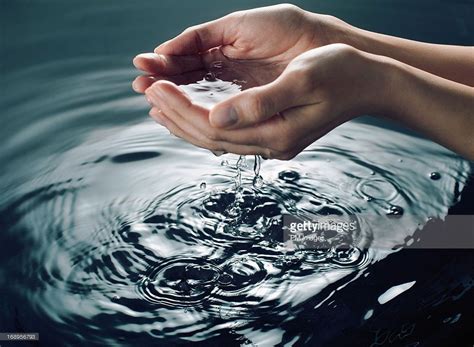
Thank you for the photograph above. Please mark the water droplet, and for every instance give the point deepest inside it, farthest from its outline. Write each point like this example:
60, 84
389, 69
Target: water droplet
225, 279
435, 176
395, 211
225, 163
202, 185
258, 181
377, 189
211, 77
218, 153
115, 298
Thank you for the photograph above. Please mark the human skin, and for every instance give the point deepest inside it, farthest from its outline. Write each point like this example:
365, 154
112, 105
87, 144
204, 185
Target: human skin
304, 86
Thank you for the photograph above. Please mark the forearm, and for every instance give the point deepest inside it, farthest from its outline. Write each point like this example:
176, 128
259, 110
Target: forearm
455, 63
442, 110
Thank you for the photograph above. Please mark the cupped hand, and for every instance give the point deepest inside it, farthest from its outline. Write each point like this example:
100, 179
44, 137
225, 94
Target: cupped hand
263, 37
317, 91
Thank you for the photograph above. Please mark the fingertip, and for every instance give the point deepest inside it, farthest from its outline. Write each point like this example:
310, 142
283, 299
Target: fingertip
142, 83
139, 61
148, 62
135, 86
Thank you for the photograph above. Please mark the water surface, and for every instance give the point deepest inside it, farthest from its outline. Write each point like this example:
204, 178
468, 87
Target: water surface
114, 232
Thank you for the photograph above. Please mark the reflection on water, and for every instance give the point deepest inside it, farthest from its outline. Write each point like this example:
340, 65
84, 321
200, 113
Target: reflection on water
115, 232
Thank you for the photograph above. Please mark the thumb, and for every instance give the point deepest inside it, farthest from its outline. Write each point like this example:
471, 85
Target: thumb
252, 106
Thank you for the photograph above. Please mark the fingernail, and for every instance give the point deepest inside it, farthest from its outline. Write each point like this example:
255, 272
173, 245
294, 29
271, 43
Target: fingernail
225, 118
134, 84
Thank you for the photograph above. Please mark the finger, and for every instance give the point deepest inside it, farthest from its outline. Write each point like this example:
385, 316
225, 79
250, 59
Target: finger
160, 117
193, 135
155, 113
163, 119
143, 82
186, 114
200, 38
254, 105
167, 64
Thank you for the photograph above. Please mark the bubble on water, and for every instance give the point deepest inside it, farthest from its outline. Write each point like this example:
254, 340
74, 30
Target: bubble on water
376, 189
180, 282
245, 271
225, 279
289, 176
346, 256
395, 211
225, 163
203, 185
115, 298
435, 176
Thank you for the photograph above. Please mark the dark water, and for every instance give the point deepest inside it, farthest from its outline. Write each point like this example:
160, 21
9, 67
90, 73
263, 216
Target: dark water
115, 233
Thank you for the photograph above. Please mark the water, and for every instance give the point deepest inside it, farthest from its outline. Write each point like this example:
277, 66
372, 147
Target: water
114, 232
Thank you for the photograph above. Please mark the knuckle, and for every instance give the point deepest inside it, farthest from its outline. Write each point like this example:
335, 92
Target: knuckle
300, 74
212, 145
343, 51
289, 7
258, 108
212, 135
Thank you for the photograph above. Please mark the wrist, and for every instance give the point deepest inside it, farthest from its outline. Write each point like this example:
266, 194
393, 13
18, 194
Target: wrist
382, 84
329, 29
